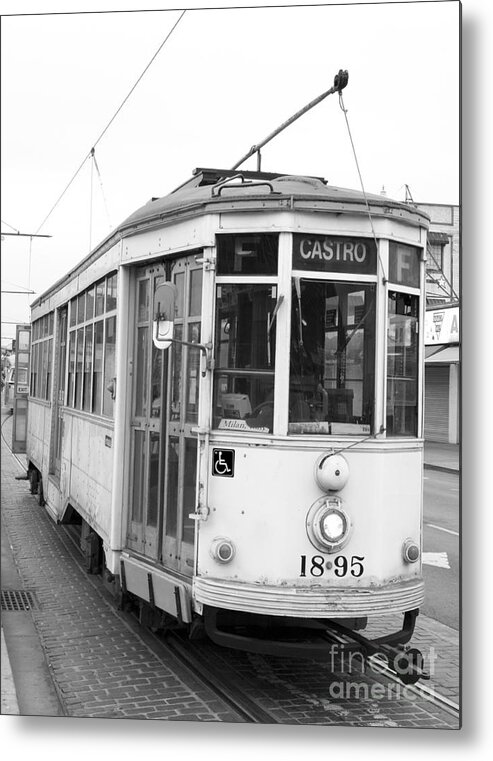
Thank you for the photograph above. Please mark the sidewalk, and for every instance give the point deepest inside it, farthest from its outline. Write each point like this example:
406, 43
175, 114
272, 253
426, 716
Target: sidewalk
440, 456
27, 685
10, 706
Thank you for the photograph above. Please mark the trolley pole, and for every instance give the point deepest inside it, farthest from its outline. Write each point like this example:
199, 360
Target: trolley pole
340, 82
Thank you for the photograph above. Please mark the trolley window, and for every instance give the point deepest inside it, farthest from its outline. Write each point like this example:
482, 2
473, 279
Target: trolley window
245, 352
42, 358
91, 348
332, 363
249, 254
402, 364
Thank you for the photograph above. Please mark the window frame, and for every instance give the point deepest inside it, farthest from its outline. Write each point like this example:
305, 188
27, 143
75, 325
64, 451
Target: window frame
413, 293
77, 396
41, 360
257, 280
245, 279
344, 279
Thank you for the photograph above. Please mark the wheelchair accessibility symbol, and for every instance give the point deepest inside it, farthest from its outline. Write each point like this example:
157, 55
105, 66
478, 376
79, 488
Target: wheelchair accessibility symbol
223, 462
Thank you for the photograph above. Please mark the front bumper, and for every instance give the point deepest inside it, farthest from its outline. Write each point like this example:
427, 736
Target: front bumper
310, 602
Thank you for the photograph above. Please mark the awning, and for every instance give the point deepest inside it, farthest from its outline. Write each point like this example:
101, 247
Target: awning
449, 355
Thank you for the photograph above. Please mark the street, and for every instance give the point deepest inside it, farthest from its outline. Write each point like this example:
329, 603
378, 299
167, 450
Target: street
441, 560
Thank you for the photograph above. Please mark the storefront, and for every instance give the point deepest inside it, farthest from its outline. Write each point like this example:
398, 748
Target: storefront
442, 374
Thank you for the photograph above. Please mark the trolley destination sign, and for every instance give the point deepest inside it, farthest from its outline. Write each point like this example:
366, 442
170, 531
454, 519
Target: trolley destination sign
334, 254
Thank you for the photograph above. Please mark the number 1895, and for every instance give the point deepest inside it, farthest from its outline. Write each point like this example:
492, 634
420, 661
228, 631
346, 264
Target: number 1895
317, 565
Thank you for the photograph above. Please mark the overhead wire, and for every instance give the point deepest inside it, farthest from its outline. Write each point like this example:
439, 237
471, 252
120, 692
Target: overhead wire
12, 228
382, 429
344, 110
90, 202
101, 135
101, 185
15, 285
139, 79
451, 293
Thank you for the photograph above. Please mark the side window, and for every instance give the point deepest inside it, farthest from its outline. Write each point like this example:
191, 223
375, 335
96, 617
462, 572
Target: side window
91, 348
42, 357
97, 392
249, 254
71, 370
245, 334
109, 367
402, 364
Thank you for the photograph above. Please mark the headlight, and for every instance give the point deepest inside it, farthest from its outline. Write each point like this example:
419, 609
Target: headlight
332, 525
328, 525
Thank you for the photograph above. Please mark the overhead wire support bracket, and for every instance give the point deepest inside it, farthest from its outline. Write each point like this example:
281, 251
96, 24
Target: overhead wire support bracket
27, 235
340, 82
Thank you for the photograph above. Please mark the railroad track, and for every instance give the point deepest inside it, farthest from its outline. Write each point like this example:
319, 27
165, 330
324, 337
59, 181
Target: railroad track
419, 689
229, 692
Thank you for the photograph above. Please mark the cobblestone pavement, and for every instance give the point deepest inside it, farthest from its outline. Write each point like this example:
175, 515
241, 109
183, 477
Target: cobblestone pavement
102, 667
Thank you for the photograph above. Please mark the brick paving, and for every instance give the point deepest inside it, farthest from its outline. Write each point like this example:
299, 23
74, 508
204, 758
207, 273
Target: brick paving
102, 667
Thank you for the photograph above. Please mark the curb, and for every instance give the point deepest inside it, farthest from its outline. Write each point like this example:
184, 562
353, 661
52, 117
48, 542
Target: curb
10, 706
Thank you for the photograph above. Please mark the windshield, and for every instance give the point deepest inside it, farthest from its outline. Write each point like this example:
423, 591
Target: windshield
245, 355
332, 364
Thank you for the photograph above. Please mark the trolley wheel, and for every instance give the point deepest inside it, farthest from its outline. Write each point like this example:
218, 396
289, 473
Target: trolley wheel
33, 481
41, 499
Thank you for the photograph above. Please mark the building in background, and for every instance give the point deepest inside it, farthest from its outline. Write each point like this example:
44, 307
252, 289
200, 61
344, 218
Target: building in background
442, 326
443, 261
442, 373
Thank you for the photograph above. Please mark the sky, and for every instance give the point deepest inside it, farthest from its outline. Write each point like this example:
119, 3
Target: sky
223, 81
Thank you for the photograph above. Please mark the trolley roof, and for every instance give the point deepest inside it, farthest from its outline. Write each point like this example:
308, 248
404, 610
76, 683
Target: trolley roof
219, 190
222, 187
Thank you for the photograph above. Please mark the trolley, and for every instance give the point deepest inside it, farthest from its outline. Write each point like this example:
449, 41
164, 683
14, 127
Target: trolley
226, 401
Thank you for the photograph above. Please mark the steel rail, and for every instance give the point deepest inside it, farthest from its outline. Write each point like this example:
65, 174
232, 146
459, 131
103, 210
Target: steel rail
215, 680
418, 689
